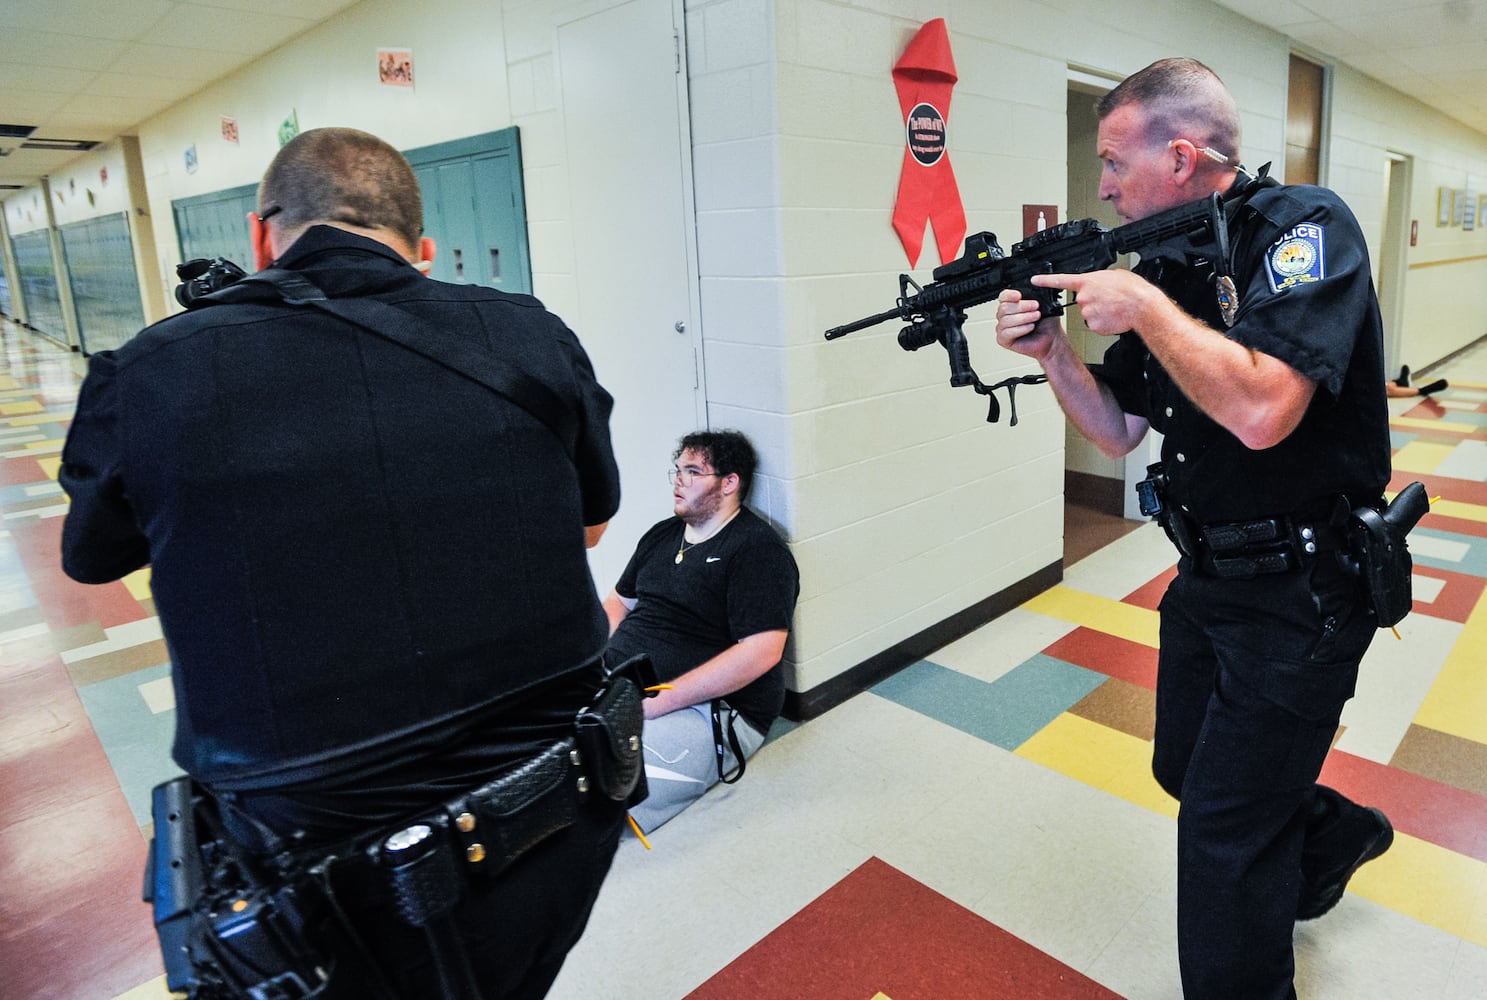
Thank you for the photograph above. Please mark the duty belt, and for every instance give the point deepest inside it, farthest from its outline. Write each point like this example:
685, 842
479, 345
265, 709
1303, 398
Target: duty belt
235, 925
1245, 549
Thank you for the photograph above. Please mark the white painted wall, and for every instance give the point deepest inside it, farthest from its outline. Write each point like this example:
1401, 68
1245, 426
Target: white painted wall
328, 77
25, 211
1445, 298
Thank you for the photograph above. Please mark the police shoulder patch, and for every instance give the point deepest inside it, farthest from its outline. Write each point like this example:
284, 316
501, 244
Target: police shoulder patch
1297, 258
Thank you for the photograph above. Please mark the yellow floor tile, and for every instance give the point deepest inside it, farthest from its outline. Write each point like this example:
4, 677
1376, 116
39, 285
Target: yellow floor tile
1433, 885
1407, 423
1101, 613
1101, 757
1454, 508
1457, 701
1422, 456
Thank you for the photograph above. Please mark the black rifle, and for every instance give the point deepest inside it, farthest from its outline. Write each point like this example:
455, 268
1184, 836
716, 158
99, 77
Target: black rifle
937, 311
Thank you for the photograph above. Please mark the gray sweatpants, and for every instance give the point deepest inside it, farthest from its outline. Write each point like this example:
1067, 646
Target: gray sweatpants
681, 762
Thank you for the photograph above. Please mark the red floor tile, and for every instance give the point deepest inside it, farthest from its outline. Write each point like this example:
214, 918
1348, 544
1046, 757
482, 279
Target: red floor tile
1432, 811
65, 602
880, 931
1111, 655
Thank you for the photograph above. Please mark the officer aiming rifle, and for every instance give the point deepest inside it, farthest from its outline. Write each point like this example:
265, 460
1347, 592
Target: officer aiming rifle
936, 313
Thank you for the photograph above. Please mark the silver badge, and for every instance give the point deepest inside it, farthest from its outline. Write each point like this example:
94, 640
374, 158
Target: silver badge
1228, 299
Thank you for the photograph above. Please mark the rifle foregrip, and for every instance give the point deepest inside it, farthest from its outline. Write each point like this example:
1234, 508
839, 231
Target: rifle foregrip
961, 372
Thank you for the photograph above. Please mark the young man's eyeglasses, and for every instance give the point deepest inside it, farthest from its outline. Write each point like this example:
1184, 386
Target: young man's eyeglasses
684, 477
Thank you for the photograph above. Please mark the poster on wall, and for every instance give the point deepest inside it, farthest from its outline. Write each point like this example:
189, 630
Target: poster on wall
1469, 211
1443, 206
191, 159
927, 192
288, 128
230, 129
395, 67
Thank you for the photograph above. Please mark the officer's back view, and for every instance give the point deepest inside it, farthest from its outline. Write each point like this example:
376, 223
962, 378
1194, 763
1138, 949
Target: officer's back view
366, 523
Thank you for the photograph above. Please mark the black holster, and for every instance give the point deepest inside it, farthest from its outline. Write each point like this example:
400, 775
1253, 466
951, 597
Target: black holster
1377, 542
226, 929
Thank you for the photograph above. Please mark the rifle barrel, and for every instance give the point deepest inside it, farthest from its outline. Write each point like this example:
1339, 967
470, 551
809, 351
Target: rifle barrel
862, 324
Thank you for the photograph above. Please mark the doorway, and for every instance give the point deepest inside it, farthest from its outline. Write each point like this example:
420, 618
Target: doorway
1393, 255
1095, 487
634, 245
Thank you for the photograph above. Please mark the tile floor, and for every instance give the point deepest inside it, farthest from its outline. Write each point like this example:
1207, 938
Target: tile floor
1007, 773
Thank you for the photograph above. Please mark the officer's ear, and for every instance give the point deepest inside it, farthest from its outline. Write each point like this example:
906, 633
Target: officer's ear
426, 251
258, 236
1185, 157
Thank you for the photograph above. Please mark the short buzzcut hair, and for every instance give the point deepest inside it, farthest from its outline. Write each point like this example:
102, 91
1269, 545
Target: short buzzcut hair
342, 175
1180, 99
727, 451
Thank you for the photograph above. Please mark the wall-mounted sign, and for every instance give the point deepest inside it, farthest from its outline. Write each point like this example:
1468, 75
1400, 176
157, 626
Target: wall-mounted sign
191, 159
289, 128
230, 129
395, 67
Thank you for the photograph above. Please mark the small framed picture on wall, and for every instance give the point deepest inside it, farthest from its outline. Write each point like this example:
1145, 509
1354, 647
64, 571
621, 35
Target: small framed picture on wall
1444, 198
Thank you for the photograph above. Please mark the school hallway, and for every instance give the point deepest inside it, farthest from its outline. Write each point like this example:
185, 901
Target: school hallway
983, 824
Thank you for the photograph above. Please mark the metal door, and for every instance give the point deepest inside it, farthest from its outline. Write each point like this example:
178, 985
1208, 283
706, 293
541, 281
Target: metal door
623, 93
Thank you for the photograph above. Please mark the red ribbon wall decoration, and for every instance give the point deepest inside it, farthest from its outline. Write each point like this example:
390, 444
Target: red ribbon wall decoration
924, 77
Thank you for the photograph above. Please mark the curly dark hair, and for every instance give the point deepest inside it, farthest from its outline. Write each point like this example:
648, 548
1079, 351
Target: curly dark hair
727, 451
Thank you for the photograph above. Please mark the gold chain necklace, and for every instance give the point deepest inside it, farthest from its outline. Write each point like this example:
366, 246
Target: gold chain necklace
682, 551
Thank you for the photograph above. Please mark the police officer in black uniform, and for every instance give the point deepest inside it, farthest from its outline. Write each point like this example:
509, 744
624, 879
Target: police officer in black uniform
1264, 373
368, 555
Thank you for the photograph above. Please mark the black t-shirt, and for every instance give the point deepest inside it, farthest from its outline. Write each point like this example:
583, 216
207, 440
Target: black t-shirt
738, 583
1306, 297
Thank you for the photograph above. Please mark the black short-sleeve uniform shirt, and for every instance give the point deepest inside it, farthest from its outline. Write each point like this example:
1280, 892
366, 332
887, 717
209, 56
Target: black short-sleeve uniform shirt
1306, 297
738, 583
355, 552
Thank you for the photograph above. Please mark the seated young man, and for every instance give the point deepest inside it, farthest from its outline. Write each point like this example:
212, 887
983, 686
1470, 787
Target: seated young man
709, 594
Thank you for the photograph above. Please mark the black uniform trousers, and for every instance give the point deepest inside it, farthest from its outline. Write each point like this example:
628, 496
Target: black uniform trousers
1252, 678
517, 927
